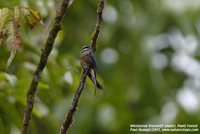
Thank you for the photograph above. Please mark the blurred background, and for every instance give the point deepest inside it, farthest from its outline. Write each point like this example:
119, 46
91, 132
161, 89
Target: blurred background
148, 61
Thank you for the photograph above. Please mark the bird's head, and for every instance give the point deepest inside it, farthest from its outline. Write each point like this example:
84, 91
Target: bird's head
86, 48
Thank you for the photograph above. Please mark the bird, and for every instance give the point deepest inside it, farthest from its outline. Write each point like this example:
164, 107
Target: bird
88, 61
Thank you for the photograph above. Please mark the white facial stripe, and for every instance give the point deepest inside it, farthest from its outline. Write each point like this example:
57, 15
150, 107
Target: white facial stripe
85, 50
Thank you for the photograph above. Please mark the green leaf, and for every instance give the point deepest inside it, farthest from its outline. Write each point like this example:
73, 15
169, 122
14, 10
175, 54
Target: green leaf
43, 86
12, 55
4, 13
35, 14
32, 16
17, 14
14, 37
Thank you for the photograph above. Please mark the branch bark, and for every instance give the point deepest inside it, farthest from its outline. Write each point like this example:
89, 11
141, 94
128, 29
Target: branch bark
69, 118
99, 22
42, 63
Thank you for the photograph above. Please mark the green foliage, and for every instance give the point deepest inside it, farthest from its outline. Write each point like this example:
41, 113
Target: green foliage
10, 24
138, 56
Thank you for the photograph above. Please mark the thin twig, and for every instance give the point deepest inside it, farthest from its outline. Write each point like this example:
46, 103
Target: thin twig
99, 22
42, 63
69, 118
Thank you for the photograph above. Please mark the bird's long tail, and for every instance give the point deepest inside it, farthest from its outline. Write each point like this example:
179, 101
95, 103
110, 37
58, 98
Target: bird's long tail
92, 76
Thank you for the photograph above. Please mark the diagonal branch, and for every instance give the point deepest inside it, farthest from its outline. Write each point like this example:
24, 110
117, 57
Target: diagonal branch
99, 22
69, 118
42, 63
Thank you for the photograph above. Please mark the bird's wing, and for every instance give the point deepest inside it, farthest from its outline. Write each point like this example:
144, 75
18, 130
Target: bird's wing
93, 59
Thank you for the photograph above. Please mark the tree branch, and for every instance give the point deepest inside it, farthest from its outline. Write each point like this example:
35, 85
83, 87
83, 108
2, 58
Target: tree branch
99, 22
42, 63
69, 118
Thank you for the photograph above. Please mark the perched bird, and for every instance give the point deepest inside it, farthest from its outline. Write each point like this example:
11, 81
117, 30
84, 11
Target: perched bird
88, 62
